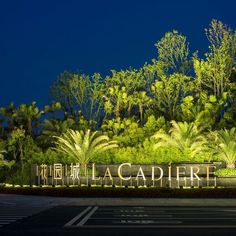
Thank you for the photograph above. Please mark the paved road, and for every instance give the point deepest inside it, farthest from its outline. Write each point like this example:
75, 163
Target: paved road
12, 213
35, 215
158, 217
28, 200
127, 220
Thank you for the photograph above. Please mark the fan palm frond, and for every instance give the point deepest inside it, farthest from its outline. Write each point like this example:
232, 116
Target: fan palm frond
225, 147
186, 137
83, 147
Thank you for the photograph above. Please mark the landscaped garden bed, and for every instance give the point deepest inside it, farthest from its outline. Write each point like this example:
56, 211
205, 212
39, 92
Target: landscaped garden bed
179, 108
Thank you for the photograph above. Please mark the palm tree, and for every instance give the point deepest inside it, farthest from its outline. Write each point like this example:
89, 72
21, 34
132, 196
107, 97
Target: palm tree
226, 146
142, 100
83, 147
54, 127
186, 137
9, 113
27, 115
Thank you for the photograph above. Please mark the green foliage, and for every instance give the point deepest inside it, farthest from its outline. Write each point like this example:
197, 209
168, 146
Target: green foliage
25, 116
226, 172
204, 109
3, 161
19, 175
15, 143
185, 137
145, 153
53, 107
173, 51
132, 135
157, 113
225, 148
60, 90
50, 156
53, 127
168, 93
116, 126
124, 92
153, 125
83, 147
214, 73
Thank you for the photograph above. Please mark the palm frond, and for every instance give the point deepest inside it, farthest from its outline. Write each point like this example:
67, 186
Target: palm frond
83, 147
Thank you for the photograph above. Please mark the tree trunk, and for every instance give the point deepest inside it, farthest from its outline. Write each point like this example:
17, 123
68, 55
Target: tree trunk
29, 126
117, 110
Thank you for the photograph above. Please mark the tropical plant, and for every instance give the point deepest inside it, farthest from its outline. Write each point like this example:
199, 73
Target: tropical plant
53, 127
9, 114
168, 92
225, 148
4, 162
186, 137
173, 51
214, 73
226, 172
60, 90
204, 110
83, 147
15, 145
27, 116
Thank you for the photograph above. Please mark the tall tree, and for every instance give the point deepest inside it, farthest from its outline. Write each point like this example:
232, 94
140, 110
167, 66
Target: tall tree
53, 127
3, 162
27, 115
60, 91
215, 71
173, 52
79, 85
15, 145
168, 92
9, 114
96, 93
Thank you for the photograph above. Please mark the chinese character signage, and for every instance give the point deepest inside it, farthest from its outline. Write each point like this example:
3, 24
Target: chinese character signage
125, 174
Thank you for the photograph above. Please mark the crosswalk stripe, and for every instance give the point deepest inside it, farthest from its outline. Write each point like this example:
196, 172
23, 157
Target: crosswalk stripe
85, 219
8, 219
72, 221
10, 214
4, 220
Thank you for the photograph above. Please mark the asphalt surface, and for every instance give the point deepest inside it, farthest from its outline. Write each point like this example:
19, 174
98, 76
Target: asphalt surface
126, 220
35, 215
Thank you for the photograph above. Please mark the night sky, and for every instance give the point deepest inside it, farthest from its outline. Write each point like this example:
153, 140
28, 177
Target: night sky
39, 39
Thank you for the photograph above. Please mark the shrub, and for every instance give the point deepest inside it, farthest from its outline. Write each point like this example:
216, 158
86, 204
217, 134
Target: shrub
226, 172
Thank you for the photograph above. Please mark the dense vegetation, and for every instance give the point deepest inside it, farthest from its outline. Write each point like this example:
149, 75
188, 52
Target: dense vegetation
179, 107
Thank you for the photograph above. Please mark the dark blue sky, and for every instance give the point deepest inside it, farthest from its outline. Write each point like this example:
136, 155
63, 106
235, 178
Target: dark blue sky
39, 39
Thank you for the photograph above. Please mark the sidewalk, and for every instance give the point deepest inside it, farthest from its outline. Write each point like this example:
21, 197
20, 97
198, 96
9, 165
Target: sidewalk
45, 201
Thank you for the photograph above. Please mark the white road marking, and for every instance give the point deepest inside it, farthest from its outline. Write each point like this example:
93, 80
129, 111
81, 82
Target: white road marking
72, 221
85, 219
141, 218
10, 214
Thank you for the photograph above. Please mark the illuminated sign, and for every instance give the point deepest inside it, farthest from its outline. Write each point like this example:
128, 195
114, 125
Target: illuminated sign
126, 174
